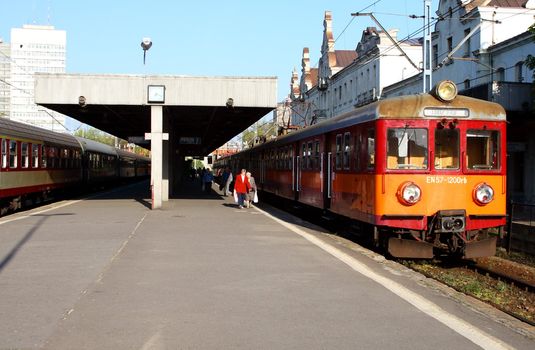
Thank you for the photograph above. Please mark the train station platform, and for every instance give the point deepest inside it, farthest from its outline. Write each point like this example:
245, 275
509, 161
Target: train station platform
106, 272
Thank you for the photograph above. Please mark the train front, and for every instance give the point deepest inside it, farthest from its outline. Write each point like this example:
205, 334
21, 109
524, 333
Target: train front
442, 186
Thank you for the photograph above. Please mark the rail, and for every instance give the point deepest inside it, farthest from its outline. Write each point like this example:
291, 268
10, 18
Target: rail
521, 228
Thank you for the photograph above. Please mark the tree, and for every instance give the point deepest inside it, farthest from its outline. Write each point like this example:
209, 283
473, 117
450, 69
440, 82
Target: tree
96, 135
259, 131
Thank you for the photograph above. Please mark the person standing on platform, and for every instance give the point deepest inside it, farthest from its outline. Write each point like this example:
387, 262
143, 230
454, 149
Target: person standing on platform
207, 179
226, 179
252, 191
241, 186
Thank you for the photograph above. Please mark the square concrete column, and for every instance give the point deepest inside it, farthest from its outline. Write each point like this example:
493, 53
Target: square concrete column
165, 161
156, 145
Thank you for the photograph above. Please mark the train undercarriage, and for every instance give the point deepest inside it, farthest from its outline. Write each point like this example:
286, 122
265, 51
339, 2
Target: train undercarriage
446, 234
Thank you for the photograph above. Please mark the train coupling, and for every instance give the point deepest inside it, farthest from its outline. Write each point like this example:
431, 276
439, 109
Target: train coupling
481, 248
450, 221
405, 248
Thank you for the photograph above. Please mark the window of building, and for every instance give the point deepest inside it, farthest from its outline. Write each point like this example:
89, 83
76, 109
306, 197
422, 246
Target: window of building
449, 43
435, 56
467, 84
500, 74
519, 77
467, 45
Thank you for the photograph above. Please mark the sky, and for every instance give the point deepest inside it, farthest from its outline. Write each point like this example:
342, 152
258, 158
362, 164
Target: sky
208, 38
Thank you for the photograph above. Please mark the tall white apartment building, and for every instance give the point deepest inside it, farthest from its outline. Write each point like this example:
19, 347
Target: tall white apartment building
5, 77
35, 49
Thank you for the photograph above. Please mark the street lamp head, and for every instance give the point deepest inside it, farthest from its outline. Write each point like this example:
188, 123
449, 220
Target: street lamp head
146, 43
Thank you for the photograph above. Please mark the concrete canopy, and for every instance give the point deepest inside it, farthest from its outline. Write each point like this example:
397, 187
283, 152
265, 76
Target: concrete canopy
200, 113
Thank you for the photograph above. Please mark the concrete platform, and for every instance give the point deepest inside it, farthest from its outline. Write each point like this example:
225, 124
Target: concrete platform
108, 273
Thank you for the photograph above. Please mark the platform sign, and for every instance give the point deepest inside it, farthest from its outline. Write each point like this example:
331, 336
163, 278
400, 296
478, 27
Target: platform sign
137, 139
189, 140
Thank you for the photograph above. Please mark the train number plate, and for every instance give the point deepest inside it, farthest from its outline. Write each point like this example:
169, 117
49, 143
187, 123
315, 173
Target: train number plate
455, 180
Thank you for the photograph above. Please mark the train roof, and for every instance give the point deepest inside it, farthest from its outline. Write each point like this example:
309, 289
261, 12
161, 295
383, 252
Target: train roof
94, 146
128, 154
25, 131
403, 107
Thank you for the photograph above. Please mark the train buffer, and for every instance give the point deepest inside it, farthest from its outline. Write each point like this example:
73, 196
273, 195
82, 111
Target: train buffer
107, 272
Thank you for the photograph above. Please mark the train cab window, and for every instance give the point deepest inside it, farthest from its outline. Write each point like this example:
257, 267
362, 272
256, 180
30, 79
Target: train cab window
24, 155
35, 156
482, 149
371, 148
12, 154
406, 148
338, 159
4, 153
447, 148
347, 149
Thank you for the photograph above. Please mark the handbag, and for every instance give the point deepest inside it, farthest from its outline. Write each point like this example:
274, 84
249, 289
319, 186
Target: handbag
255, 198
235, 196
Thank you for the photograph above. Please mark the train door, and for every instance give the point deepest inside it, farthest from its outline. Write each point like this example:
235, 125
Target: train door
296, 178
326, 172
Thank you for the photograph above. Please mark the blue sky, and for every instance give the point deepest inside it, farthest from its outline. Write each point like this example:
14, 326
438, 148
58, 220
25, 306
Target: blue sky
212, 37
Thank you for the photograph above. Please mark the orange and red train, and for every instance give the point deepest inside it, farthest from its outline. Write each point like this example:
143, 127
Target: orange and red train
423, 173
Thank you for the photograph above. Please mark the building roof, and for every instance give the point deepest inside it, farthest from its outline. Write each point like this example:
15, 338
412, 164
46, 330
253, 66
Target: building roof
508, 3
345, 57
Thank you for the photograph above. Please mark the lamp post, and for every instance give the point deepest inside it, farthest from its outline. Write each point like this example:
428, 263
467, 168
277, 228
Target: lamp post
146, 44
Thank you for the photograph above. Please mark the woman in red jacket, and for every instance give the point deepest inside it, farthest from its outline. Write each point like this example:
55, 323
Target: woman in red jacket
242, 187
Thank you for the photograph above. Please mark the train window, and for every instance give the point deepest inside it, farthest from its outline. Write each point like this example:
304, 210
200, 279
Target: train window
24, 155
371, 148
316, 155
4, 153
358, 149
338, 159
291, 159
406, 148
12, 154
52, 162
482, 149
347, 149
309, 155
35, 156
447, 148
304, 154
44, 152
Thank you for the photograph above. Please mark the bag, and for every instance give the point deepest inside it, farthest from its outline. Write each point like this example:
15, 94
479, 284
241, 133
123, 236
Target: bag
235, 196
255, 199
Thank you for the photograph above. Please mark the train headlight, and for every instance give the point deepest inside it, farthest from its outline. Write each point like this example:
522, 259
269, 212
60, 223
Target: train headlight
445, 91
483, 194
409, 193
